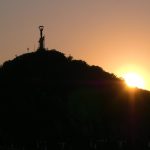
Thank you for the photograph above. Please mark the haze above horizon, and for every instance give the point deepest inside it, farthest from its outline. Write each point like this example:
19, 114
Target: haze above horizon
113, 34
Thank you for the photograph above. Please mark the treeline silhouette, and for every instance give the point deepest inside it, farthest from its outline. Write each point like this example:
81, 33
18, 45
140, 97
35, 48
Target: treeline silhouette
50, 101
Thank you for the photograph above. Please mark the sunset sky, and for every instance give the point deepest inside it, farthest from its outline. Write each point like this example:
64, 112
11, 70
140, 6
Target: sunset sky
113, 34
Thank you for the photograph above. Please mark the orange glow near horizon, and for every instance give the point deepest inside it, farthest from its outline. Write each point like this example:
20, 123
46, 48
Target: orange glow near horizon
106, 33
134, 76
134, 80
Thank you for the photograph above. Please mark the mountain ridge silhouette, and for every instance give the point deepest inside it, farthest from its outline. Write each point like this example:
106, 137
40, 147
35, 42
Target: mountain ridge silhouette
46, 96
47, 64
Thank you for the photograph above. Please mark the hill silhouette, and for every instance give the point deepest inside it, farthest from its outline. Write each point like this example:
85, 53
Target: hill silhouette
50, 100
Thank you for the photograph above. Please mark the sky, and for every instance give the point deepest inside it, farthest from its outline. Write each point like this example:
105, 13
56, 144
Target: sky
112, 34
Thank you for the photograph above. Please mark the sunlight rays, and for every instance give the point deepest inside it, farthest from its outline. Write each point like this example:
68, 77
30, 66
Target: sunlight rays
133, 79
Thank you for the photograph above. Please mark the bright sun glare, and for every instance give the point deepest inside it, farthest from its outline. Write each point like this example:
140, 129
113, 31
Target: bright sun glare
134, 80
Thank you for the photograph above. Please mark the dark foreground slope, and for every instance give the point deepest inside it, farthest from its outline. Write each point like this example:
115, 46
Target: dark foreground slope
48, 99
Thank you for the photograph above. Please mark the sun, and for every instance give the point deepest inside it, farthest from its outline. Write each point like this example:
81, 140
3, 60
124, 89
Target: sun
134, 80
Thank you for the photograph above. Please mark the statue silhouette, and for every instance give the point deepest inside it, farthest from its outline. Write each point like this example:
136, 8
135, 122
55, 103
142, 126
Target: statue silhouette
42, 39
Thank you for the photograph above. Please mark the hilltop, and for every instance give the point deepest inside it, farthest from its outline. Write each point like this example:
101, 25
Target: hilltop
46, 96
52, 65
